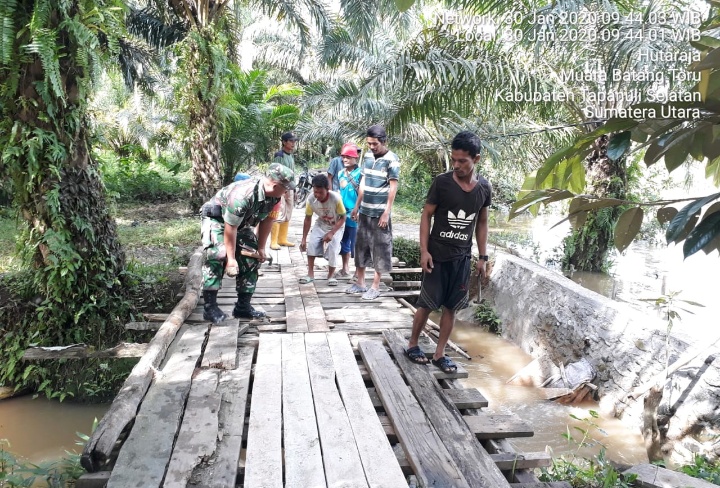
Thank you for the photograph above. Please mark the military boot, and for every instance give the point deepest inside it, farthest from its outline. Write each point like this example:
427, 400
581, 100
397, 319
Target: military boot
211, 311
243, 309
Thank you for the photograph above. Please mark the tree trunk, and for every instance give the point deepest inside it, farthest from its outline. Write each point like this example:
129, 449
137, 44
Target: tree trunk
586, 249
69, 241
204, 135
205, 154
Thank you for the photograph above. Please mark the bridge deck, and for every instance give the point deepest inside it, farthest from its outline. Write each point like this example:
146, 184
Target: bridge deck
319, 395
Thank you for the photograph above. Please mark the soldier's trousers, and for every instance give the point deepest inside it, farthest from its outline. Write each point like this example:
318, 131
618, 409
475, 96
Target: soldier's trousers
215, 257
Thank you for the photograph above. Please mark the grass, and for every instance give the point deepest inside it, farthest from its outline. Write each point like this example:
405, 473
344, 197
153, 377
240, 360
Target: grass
165, 234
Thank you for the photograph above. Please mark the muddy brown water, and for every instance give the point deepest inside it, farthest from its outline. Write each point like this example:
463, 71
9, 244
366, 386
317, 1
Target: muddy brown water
42, 430
495, 360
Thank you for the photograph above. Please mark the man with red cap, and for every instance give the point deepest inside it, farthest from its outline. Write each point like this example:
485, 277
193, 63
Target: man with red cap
349, 184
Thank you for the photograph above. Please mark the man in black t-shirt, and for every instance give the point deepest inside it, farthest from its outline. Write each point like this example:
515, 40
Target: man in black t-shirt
457, 204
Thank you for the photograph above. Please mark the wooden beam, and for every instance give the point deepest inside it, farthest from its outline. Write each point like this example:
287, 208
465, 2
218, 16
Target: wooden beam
124, 408
81, 351
652, 476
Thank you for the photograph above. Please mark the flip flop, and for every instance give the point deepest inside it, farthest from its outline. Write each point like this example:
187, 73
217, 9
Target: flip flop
332, 282
306, 280
416, 355
445, 364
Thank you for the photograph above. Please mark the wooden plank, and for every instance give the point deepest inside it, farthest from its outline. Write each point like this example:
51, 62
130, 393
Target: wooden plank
198, 432
263, 459
436, 372
371, 327
488, 426
93, 480
146, 452
303, 459
343, 466
482, 430
651, 476
462, 399
334, 289
470, 457
525, 460
221, 348
370, 314
430, 459
294, 311
380, 466
272, 328
221, 470
314, 312
81, 351
504, 462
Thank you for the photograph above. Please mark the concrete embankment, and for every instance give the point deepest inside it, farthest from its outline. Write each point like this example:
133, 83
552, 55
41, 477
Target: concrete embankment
551, 317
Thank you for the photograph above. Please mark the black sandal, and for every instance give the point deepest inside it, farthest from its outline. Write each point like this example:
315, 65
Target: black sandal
445, 364
416, 355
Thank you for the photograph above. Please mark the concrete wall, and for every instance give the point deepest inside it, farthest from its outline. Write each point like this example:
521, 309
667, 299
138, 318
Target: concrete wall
548, 315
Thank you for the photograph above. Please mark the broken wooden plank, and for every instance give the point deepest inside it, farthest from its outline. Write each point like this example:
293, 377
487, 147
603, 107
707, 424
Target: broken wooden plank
146, 452
221, 348
524, 460
339, 448
93, 480
471, 458
263, 460
301, 441
149, 326
221, 470
198, 432
652, 476
488, 426
82, 351
381, 468
430, 459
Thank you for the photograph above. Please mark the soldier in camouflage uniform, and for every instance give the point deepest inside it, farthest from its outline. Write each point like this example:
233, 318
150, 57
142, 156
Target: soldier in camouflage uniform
227, 229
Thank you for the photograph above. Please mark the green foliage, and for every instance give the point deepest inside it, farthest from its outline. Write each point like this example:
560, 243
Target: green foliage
407, 250
583, 472
134, 179
56, 474
703, 469
486, 315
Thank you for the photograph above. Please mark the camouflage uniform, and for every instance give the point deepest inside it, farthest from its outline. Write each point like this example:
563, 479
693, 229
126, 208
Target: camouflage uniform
242, 203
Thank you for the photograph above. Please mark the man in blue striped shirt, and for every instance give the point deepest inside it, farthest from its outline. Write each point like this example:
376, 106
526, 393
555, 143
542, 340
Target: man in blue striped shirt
378, 187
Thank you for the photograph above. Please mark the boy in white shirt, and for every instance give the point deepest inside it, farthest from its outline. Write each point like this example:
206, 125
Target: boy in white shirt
328, 229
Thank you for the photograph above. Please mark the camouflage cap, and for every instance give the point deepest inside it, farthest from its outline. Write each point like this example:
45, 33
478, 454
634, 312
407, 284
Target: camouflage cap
282, 174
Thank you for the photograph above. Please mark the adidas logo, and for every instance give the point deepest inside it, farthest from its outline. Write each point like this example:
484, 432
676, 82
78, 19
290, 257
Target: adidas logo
459, 221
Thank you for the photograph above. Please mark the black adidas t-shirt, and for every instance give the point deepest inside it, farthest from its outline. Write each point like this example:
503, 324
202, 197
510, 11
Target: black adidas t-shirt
455, 216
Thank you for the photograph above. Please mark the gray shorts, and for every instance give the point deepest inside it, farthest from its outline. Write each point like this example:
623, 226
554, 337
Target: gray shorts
373, 246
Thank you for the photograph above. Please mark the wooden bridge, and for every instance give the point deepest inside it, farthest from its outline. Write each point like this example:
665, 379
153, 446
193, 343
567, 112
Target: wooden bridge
319, 395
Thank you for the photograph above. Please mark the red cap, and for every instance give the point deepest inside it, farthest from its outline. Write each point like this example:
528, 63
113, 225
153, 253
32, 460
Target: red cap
349, 149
